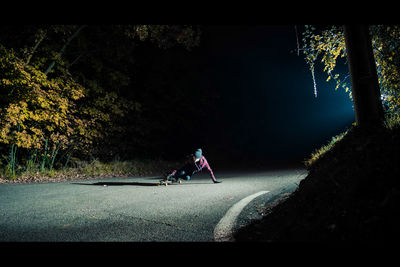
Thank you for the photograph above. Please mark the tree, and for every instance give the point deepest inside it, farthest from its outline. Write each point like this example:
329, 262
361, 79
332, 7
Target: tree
38, 115
364, 80
67, 88
327, 44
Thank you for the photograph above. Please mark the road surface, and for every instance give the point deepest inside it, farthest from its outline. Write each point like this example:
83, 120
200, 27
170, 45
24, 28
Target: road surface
134, 209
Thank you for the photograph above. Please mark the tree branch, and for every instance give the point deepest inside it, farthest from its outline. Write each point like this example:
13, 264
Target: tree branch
64, 47
41, 38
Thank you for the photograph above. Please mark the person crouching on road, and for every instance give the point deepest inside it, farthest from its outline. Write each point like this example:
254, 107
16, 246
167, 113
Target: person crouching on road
196, 163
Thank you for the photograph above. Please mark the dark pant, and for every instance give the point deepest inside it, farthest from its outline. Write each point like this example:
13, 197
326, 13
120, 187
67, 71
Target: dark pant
184, 173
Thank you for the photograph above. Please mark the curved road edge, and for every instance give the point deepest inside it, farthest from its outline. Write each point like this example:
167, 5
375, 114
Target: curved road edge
223, 232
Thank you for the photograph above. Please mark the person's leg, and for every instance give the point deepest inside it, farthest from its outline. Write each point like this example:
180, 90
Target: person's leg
171, 177
180, 174
177, 174
183, 175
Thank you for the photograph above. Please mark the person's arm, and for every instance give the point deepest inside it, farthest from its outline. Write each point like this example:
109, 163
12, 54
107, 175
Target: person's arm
204, 163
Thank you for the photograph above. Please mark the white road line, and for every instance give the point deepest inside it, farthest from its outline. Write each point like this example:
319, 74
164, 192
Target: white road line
223, 232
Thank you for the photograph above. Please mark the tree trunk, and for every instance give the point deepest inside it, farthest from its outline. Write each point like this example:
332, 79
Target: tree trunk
364, 79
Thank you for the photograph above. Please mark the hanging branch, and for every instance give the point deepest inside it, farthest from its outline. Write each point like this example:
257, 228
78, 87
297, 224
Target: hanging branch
313, 77
76, 59
297, 40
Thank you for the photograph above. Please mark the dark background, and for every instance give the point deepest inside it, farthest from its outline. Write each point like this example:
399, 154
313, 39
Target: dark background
243, 95
261, 108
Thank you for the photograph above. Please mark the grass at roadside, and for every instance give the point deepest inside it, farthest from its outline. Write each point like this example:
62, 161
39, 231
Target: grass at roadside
318, 153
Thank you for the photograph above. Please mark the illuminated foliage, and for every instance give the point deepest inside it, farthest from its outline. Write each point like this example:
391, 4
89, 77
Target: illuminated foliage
35, 109
328, 46
48, 115
66, 89
386, 44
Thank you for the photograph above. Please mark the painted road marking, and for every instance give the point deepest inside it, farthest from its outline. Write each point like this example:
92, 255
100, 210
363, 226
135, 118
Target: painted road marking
223, 232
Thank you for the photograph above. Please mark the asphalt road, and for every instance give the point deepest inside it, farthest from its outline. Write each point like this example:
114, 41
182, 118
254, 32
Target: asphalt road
134, 209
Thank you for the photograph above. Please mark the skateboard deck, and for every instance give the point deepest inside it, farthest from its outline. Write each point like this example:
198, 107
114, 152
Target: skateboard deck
167, 182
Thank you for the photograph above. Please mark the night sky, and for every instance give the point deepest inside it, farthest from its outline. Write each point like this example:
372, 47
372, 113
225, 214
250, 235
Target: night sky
266, 108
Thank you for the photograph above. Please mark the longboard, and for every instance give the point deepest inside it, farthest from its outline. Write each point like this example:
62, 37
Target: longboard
167, 182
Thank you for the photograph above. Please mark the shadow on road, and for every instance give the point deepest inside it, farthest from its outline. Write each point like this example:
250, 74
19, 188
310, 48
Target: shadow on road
131, 183
119, 183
